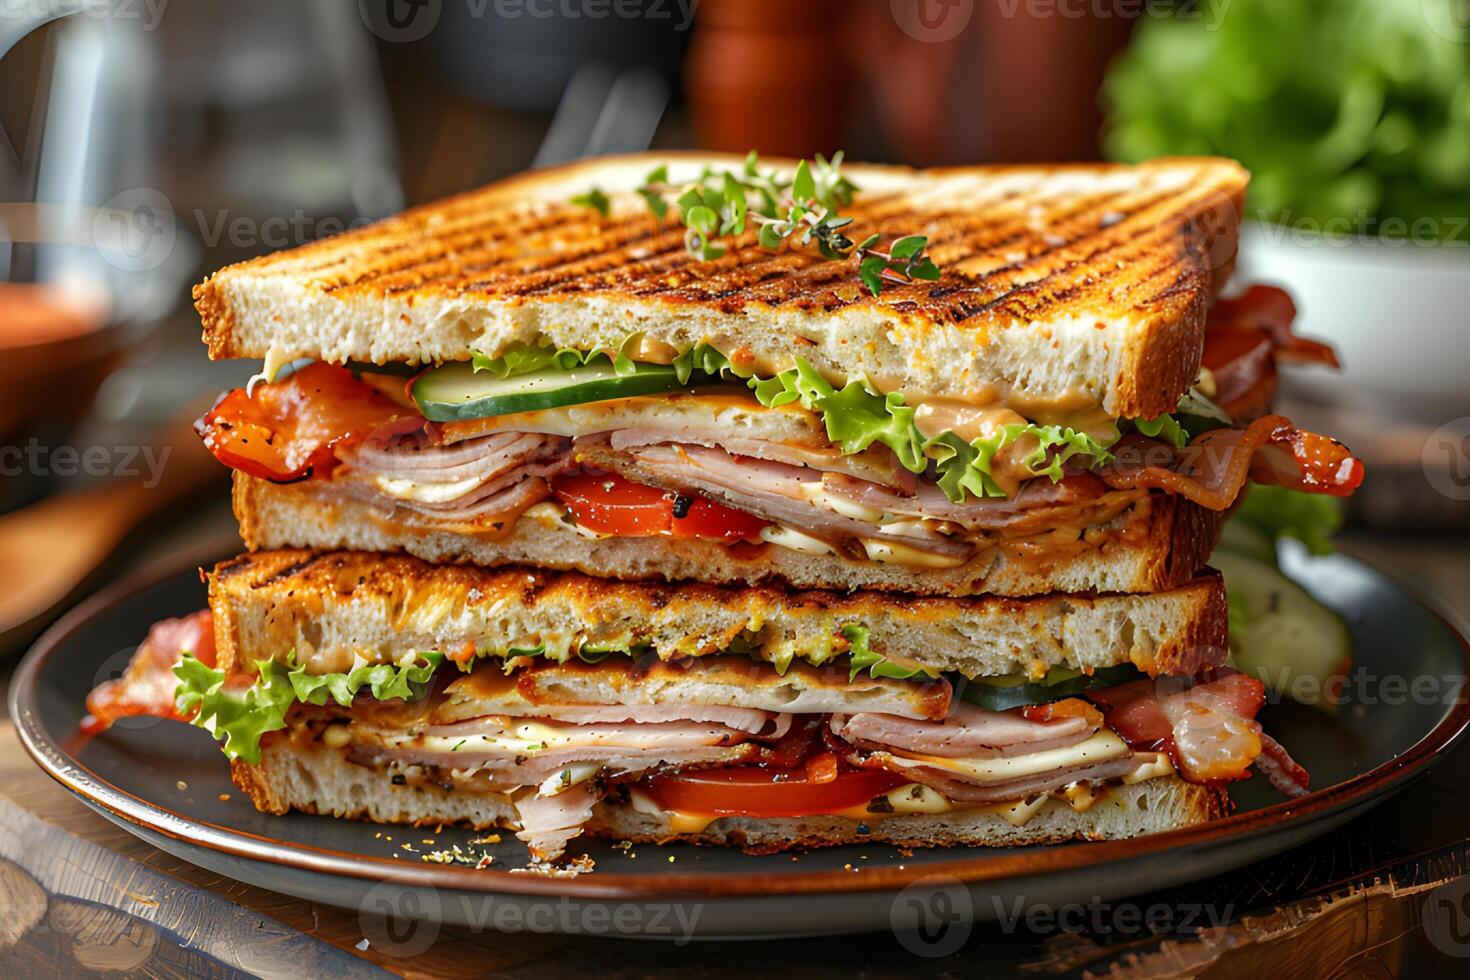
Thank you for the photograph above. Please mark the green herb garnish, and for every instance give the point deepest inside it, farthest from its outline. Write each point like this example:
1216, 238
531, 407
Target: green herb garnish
806, 209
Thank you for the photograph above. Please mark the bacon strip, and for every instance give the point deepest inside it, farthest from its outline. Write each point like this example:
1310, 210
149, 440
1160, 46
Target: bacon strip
1270, 310
1289, 778
147, 685
293, 428
1212, 469
1207, 725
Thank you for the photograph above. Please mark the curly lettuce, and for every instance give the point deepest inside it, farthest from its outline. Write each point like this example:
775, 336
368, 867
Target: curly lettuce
239, 717
525, 358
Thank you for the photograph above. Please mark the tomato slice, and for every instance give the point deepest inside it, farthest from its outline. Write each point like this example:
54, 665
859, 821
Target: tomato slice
751, 791
608, 504
290, 429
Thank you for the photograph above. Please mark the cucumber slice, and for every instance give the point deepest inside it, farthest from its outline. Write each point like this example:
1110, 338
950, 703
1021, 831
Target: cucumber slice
455, 391
1004, 693
1295, 645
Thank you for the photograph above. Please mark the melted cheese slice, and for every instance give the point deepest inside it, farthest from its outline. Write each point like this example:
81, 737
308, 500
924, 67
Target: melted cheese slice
404, 488
531, 737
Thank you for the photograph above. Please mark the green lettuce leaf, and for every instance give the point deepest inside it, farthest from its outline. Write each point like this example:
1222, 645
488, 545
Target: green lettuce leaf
240, 716
862, 658
1165, 427
1311, 518
524, 358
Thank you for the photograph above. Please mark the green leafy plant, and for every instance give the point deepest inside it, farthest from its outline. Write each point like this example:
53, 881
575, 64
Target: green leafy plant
804, 208
1350, 114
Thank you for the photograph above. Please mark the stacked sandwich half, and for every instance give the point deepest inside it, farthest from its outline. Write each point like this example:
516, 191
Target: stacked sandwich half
638, 499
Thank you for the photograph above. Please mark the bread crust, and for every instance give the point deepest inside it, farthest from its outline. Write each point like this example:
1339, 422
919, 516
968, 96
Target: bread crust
342, 605
1099, 297
1157, 546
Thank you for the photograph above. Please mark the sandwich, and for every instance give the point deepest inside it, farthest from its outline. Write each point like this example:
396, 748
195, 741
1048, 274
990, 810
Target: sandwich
386, 688
770, 506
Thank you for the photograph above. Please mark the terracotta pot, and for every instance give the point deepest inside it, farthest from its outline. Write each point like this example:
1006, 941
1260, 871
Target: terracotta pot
768, 75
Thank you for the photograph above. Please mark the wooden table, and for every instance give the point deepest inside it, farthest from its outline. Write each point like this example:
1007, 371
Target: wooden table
1386, 895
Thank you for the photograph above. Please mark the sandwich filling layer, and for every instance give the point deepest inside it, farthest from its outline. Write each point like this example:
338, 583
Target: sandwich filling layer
698, 739
645, 442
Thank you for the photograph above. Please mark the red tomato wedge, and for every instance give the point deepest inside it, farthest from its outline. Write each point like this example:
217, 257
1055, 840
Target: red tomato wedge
290, 429
755, 792
146, 687
608, 504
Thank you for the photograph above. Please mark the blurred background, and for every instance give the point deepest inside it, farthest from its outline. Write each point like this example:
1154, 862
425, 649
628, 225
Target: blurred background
147, 142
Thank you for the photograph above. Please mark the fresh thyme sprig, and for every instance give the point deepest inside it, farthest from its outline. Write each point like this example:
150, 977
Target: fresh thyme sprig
804, 208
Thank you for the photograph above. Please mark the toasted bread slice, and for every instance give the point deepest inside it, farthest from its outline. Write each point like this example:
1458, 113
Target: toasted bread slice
332, 609
1153, 547
1063, 286
293, 775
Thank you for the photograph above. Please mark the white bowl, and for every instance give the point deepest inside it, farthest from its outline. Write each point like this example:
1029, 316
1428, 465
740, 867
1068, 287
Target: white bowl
1397, 312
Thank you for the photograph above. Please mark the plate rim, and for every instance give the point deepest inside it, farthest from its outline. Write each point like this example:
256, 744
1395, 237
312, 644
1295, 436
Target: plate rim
54, 759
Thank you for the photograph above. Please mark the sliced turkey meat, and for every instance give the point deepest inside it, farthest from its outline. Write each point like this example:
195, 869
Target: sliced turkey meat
969, 732
548, 823
959, 790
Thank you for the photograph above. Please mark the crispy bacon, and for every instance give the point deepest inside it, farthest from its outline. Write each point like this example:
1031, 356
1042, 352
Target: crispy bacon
1270, 310
1212, 469
1245, 339
1289, 778
292, 429
146, 687
1207, 725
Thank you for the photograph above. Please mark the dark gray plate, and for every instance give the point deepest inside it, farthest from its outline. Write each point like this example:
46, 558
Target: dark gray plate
167, 784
